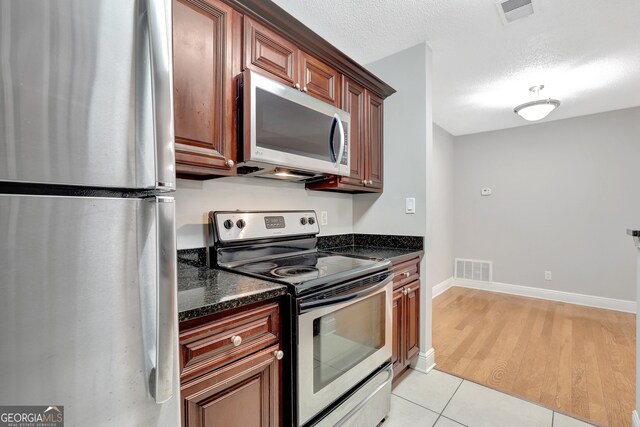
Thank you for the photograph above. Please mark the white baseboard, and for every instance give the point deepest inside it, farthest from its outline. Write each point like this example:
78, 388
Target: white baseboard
635, 419
425, 361
548, 294
441, 287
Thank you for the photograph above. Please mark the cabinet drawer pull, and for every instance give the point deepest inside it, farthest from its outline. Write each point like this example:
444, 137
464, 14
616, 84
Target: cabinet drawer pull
279, 354
406, 274
236, 340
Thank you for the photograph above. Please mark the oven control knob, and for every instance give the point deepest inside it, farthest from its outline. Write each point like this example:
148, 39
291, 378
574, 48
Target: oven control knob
228, 224
241, 223
279, 354
311, 220
303, 221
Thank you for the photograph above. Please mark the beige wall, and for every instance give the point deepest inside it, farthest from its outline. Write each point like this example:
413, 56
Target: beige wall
408, 150
563, 194
441, 257
194, 199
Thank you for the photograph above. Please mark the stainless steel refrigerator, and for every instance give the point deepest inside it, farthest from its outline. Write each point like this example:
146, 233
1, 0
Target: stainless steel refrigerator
88, 313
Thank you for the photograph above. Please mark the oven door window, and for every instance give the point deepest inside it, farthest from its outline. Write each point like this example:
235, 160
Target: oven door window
344, 338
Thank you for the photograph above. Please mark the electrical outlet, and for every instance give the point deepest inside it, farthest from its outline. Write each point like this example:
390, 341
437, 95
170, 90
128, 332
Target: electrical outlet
324, 218
547, 275
410, 205
485, 192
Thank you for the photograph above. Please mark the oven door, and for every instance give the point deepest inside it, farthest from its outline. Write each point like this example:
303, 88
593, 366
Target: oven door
288, 128
342, 339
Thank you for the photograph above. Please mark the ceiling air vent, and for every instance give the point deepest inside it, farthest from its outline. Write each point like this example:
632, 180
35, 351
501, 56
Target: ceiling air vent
512, 10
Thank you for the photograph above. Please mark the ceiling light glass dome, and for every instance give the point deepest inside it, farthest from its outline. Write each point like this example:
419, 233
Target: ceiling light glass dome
538, 109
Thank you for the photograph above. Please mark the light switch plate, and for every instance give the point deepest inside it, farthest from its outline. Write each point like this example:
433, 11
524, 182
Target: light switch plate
324, 218
410, 205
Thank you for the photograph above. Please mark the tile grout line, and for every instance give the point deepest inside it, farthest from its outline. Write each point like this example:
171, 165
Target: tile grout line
553, 418
447, 404
417, 404
451, 419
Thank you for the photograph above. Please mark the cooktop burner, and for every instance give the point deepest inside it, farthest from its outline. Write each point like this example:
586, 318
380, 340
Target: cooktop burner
294, 271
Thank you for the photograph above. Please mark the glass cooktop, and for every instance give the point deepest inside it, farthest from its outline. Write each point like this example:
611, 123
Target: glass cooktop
316, 268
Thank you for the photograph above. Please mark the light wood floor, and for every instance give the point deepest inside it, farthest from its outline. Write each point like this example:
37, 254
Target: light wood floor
577, 360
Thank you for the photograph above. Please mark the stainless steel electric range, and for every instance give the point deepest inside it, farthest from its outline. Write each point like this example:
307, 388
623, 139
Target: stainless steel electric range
337, 334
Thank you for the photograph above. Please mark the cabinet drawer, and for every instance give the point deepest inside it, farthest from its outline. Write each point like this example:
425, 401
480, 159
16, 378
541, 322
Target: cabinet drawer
211, 345
406, 272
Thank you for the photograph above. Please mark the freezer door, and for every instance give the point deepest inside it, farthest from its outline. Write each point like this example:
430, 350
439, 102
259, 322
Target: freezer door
86, 93
88, 313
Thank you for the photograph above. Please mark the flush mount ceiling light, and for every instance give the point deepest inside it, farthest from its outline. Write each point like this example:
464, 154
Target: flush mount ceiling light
538, 109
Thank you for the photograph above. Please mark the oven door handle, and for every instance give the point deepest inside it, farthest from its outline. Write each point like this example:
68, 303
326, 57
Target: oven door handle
316, 304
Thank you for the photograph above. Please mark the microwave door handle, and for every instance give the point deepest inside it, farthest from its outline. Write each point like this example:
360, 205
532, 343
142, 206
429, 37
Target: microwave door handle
313, 305
341, 149
332, 151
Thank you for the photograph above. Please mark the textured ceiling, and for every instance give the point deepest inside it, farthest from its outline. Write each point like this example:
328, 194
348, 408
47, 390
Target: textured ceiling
585, 52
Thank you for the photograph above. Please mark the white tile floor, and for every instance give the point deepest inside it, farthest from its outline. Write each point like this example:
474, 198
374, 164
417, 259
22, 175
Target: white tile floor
442, 400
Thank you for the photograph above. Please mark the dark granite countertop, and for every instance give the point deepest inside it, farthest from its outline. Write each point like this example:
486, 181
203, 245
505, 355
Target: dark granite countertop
203, 291
392, 254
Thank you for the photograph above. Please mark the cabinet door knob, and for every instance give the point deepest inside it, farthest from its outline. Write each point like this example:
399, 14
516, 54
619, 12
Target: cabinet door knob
364, 182
405, 291
369, 182
304, 89
279, 354
406, 274
230, 163
297, 85
236, 340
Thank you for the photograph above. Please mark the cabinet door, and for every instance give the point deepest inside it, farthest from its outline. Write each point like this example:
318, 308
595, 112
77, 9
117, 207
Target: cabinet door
397, 327
319, 80
243, 394
267, 52
354, 103
412, 316
203, 87
374, 152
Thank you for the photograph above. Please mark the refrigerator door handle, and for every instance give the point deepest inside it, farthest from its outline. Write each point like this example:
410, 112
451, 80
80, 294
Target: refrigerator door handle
166, 301
159, 16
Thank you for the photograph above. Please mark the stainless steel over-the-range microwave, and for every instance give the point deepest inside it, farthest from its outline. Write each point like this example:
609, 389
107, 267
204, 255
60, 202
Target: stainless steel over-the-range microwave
286, 133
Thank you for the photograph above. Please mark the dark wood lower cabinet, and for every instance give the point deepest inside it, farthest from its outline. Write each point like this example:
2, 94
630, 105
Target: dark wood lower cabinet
405, 315
243, 394
231, 366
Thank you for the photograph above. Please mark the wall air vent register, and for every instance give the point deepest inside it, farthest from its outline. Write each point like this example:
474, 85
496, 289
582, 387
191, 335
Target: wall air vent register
471, 269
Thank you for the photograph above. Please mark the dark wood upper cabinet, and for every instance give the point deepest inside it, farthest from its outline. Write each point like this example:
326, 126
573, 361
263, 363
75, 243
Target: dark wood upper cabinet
267, 52
365, 142
354, 103
319, 80
374, 154
203, 88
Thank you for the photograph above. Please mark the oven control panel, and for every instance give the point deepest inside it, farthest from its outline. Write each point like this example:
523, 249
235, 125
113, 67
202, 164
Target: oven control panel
232, 226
